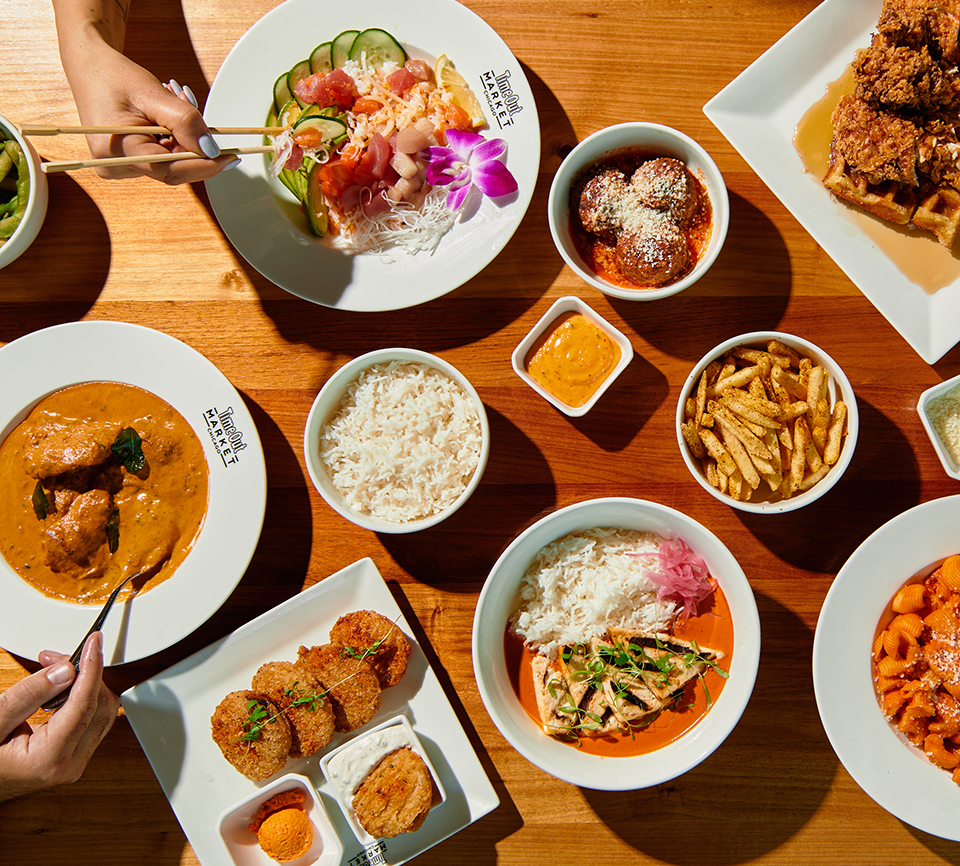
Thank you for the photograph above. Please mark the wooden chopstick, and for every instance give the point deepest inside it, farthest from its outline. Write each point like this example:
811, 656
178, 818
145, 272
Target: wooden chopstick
40, 129
66, 165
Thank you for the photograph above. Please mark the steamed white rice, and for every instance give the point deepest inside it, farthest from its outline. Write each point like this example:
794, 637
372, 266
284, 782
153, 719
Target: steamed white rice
581, 585
403, 443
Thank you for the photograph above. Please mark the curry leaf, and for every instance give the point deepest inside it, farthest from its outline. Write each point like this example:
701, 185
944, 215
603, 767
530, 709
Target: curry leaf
128, 449
41, 505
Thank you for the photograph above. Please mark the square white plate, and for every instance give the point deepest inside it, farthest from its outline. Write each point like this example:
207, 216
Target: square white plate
758, 113
170, 714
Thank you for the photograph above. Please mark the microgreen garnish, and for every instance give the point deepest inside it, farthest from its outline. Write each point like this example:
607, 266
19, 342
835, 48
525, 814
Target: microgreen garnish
127, 448
257, 719
309, 702
113, 531
42, 506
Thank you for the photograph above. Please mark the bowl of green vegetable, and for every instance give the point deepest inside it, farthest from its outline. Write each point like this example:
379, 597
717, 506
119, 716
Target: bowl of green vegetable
23, 193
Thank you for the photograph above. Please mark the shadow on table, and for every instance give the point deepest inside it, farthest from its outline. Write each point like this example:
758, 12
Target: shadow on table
947, 851
759, 788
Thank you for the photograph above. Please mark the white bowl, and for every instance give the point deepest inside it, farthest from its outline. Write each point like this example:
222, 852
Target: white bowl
26, 233
242, 846
408, 737
658, 140
500, 598
949, 462
561, 306
839, 389
326, 404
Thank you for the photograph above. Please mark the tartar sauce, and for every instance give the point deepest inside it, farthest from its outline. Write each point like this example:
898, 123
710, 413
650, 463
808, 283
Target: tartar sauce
349, 767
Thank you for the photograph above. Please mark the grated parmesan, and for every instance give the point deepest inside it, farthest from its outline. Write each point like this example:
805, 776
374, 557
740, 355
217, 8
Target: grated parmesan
944, 415
404, 442
581, 585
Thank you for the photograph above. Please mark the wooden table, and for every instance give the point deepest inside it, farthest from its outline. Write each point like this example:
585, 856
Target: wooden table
140, 252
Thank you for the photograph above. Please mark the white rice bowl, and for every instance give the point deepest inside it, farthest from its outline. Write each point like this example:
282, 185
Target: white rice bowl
396, 440
500, 599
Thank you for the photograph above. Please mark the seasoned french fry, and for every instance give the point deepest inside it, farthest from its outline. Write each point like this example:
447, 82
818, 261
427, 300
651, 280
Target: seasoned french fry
689, 431
812, 478
716, 450
812, 456
793, 410
798, 458
746, 412
791, 382
711, 473
736, 487
701, 400
759, 405
736, 379
750, 440
816, 391
778, 347
739, 455
831, 451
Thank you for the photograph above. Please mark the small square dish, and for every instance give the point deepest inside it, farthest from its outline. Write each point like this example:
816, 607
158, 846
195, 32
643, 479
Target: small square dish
346, 767
576, 352
242, 846
939, 410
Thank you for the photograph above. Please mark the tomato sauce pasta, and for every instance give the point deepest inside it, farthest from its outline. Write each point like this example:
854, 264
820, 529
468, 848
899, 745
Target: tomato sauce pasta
916, 664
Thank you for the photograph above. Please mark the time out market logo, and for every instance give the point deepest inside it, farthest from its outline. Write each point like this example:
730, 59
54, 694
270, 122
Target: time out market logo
226, 438
502, 100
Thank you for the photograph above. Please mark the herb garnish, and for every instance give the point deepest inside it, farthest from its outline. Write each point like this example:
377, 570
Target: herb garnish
112, 530
127, 448
42, 506
257, 719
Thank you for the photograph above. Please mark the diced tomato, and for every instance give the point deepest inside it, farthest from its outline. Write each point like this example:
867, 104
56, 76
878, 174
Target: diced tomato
365, 105
401, 81
335, 88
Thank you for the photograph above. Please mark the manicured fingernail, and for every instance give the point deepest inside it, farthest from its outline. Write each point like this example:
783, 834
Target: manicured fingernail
209, 147
61, 673
189, 94
175, 88
232, 164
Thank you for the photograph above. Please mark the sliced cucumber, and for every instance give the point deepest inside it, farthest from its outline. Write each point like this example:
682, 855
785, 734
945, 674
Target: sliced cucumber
296, 74
281, 93
331, 129
379, 47
320, 61
340, 47
290, 113
314, 203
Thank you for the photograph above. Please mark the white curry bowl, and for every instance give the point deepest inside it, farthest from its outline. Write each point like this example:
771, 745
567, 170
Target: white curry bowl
499, 599
648, 138
763, 500
943, 395
325, 406
31, 221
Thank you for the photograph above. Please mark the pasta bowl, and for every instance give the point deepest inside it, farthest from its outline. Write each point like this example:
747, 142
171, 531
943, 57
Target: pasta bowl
350, 482
497, 674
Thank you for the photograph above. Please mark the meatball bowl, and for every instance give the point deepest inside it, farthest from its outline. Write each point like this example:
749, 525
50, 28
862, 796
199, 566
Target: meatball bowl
639, 211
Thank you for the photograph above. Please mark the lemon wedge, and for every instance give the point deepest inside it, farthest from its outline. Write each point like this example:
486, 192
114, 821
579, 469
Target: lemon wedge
453, 82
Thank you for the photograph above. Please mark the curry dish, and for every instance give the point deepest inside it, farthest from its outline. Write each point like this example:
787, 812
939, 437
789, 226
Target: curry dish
100, 481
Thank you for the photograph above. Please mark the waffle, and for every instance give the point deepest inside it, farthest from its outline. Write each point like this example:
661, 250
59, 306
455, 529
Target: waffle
888, 200
939, 212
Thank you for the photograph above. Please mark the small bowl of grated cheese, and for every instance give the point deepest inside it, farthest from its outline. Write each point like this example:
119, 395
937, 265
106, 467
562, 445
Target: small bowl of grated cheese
939, 409
397, 440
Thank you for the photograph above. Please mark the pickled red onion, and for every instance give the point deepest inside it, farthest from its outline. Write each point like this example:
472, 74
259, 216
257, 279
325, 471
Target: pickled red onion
683, 576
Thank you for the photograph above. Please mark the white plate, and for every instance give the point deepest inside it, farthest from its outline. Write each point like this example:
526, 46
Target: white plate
894, 773
170, 714
758, 113
45, 361
253, 209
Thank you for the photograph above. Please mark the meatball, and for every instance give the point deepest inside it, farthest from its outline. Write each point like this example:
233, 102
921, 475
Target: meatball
653, 255
600, 204
666, 185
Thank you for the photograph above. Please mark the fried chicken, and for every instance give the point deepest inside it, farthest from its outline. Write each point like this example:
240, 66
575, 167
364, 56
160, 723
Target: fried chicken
917, 23
898, 77
879, 145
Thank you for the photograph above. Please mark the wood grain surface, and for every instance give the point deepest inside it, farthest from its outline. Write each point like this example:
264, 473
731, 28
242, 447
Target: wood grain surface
137, 251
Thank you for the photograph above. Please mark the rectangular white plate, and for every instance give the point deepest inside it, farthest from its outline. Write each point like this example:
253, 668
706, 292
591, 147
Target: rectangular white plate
758, 113
170, 714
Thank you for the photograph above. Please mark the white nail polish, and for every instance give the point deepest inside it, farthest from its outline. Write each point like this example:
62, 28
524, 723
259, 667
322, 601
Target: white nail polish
189, 94
174, 87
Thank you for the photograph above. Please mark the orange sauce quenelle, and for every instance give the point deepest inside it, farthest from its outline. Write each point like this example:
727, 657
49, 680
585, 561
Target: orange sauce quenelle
573, 359
712, 628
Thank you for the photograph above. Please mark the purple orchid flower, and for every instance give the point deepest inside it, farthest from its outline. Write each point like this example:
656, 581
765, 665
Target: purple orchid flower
469, 161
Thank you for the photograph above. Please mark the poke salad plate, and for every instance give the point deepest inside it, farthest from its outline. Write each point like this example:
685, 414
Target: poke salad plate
263, 221
170, 715
897, 775
45, 361
758, 112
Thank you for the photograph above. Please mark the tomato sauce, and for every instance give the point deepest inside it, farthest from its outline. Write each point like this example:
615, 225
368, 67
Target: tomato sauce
713, 628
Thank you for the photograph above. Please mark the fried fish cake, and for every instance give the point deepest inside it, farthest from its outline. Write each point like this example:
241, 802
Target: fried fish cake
351, 684
252, 733
395, 796
303, 700
368, 630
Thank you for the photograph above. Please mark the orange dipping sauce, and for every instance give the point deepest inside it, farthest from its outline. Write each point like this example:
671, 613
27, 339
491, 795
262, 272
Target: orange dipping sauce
573, 359
712, 628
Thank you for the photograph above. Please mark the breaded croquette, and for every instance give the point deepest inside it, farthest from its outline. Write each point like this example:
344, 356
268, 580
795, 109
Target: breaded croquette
351, 684
252, 733
300, 695
367, 630
395, 796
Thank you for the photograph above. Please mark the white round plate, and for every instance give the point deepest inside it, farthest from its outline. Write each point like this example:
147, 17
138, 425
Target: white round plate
263, 221
46, 361
894, 773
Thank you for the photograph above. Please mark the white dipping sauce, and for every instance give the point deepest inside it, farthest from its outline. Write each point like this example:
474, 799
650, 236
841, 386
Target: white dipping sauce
349, 767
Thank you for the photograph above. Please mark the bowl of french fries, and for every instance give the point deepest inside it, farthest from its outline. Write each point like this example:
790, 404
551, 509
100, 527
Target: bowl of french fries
23, 193
767, 422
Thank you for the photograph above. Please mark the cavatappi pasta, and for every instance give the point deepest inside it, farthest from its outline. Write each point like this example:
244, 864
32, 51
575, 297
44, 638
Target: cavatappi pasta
916, 665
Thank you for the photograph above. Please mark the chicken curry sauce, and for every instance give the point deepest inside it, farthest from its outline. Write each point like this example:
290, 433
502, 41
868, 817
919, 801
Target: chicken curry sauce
100, 481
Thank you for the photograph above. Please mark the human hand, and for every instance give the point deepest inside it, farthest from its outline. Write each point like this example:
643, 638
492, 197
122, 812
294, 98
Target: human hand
57, 752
